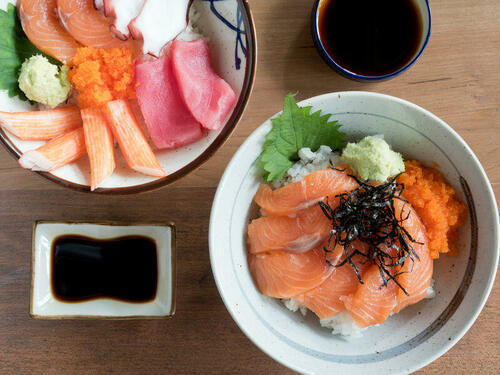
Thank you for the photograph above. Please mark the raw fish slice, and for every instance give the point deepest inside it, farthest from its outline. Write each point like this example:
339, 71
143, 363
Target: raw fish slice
371, 304
158, 23
122, 12
208, 97
41, 125
55, 153
169, 122
42, 27
135, 148
293, 234
324, 300
304, 193
415, 276
284, 275
99, 143
87, 25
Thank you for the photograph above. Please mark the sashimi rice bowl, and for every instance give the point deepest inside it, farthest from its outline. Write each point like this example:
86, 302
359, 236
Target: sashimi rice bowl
121, 96
352, 236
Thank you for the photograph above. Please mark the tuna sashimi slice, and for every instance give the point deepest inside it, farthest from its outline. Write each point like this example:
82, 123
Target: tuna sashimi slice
99, 143
133, 144
122, 12
304, 193
42, 27
169, 121
87, 25
41, 125
158, 23
55, 153
284, 275
293, 234
208, 97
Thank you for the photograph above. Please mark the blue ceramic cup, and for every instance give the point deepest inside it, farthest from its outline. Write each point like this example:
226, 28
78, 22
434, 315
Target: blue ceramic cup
423, 11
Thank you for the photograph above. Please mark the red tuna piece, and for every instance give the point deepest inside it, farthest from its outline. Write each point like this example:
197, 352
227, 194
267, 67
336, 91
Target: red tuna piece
207, 95
169, 121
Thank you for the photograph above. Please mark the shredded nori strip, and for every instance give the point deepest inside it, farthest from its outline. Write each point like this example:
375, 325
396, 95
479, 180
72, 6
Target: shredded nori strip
367, 214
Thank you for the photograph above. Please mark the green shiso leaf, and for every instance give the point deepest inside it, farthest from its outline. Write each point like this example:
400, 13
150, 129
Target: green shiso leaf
294, 129
15, 47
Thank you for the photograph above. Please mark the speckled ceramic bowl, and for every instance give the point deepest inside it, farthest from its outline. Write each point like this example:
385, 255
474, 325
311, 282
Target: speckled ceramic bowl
228, 25
406, 341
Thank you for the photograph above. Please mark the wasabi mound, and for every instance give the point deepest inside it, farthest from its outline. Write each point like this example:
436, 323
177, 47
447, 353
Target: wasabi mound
44, 82
372, 159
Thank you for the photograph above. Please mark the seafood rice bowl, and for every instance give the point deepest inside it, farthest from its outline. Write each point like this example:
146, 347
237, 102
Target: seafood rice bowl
348, 231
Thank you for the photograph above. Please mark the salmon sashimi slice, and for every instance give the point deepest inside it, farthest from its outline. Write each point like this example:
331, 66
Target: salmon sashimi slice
304, 193
55, 153
371, 304
283, 275
135, 148
87, 25
325, 300
41, 125
297, 234
99, 143
41, 26
414, 276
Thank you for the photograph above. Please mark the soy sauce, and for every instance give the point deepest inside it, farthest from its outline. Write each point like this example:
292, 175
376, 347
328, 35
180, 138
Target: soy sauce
370, 37
123, 268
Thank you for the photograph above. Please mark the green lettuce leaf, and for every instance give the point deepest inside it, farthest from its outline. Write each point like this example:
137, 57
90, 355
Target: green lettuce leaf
15, 47
294, 129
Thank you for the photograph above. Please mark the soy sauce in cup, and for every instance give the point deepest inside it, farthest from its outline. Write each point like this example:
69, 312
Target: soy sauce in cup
370, 37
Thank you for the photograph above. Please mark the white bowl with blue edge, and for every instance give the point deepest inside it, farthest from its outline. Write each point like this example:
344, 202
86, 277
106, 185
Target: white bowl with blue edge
229, 30
420, 333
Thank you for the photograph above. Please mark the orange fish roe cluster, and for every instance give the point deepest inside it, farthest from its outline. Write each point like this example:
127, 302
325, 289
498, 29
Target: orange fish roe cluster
436, 204
101, 75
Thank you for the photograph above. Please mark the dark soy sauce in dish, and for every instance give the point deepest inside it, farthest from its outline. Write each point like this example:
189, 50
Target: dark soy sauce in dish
370, 37
123, 268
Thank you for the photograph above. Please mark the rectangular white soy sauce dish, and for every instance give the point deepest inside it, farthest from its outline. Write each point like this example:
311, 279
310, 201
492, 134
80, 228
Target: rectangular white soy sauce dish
44, 305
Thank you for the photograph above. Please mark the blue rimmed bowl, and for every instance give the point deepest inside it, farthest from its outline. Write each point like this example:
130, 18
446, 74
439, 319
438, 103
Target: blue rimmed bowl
229, 28
420, 333
424, 11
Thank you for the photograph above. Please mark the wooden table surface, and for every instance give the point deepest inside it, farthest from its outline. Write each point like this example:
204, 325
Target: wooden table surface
457, 78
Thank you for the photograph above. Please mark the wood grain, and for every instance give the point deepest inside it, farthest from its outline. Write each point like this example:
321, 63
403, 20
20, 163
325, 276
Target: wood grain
457, 78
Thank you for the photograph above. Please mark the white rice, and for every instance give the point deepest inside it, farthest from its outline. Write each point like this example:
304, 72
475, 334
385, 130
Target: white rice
343, 323
309, 162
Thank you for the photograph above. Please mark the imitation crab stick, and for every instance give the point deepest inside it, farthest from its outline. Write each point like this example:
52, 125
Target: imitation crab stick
132, 142
99, 143
55, 153
41, 125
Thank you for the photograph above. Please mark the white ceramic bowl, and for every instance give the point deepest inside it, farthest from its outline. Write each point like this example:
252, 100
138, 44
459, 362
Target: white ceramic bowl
420, 333
228, 27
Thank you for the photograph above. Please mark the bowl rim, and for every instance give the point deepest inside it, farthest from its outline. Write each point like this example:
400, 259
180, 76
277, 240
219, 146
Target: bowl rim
476, 310
215, 145
360, 77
